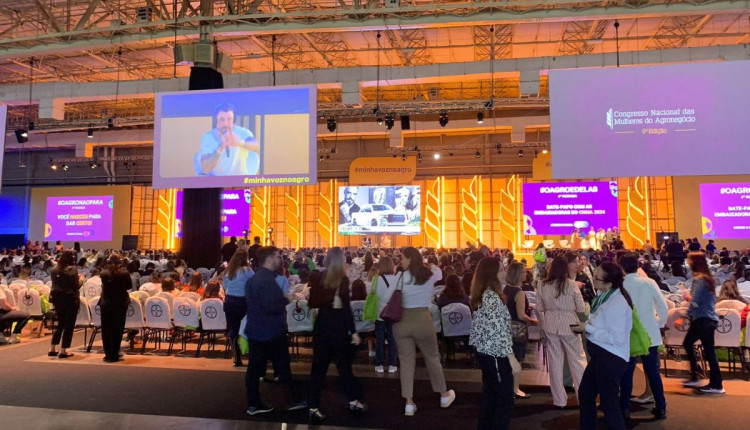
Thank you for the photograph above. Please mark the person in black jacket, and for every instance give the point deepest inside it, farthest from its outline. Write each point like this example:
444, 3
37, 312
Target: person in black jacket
333, 332
228, 250
66, 298
114, 305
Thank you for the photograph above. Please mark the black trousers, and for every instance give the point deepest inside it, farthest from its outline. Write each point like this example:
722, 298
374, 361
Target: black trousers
276, 351
66, 309
703, 329
497, 392
334, 346
235, 309
113, 326
601, 377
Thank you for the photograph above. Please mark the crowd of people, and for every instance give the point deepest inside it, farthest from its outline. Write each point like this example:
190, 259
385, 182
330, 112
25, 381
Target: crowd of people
587, 303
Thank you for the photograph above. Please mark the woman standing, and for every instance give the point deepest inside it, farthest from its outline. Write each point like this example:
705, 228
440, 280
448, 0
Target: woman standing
558, 301
384, 285
65, 296
333, 333
608, 343
235, 277
703, 322
114, 306
520, 316
491, 335
416, 329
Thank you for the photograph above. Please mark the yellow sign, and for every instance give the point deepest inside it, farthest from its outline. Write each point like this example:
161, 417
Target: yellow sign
382, 170
541, 168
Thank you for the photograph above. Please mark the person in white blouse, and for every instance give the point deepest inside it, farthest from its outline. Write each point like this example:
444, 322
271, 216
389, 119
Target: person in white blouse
652, 310
491, 336
416, 329
608, 343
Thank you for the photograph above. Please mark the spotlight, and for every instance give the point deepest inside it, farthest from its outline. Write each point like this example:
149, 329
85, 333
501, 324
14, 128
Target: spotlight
499, 150
380, 121
333, 150
403, 157
111, 122
395, 155
477, 154
22, 135
389, 122
328, 156
94, 164
65, 167
480, 118
419, 156
90, 133
436, 156
52, 164
322, 157
416, 148
544, 151
443, 119
331, 125
31, 125
520, 152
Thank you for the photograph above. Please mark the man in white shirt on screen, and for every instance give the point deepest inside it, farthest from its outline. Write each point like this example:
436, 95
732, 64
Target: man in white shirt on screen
228, 149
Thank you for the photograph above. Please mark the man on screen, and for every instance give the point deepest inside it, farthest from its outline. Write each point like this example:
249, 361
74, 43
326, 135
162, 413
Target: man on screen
228, 149
348, 206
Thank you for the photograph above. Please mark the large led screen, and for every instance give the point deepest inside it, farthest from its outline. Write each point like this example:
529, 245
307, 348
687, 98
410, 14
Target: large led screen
235, 212
725, 211
235, 138
80, 218
675, 120
379, 210
558, 208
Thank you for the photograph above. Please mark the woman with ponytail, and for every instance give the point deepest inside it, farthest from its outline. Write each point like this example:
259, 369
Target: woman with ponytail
608, 343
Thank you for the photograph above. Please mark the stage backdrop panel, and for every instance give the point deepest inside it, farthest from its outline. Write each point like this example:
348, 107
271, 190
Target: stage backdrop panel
688, 208
121, 212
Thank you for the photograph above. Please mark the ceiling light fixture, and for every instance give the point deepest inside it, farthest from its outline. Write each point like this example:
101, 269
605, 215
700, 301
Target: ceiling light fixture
480, 118
436, 156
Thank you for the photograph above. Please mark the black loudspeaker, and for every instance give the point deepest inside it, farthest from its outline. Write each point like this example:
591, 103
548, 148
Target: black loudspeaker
405, 123
664, 236
129, 242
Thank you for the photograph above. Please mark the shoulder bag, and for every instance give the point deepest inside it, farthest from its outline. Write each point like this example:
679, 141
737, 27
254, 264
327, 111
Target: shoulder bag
394, 310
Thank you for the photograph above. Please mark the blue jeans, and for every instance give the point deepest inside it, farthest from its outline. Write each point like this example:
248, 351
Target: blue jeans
235, 308
383, 329
651, 369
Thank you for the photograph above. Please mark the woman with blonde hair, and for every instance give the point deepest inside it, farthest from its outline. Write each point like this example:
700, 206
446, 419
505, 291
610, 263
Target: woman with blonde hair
333, 334
491, 336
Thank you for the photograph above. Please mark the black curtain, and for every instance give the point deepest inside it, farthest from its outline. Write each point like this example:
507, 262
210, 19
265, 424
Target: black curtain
201, 207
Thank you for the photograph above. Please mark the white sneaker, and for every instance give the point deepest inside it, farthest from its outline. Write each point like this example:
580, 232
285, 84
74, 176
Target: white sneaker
371, 353
447, 401
409, 410
392, 369
379, 369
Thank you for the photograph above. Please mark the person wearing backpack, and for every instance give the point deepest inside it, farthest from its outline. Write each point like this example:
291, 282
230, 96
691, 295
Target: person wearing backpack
382, 289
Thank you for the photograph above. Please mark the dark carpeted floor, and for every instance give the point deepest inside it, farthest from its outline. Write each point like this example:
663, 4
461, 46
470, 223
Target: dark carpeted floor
216, 394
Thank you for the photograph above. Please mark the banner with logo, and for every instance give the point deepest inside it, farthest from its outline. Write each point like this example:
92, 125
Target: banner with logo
382, 170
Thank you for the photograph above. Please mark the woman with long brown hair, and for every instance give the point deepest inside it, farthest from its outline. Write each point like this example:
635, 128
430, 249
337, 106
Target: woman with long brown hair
416, 329
703, 323
195, 285
558, 301
333, 334
491, 335
114, 305
65, 297
235, 306
384, 285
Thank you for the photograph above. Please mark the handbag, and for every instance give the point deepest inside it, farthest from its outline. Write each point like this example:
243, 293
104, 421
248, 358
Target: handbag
640, 340
394, 310
519, 331
372, 301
